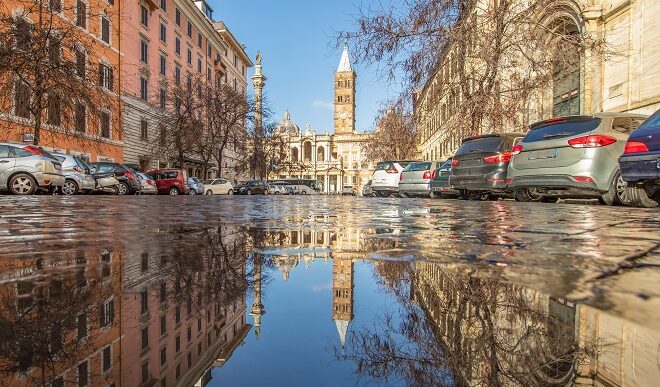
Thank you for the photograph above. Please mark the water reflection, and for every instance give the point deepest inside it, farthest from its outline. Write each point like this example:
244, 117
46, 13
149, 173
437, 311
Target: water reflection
175, 305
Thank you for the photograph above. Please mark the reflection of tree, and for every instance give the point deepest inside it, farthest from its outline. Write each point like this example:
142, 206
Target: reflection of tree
465, 330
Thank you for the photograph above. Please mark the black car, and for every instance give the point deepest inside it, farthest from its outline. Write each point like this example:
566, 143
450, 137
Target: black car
479, 167
640, 163
252, 187
129, 181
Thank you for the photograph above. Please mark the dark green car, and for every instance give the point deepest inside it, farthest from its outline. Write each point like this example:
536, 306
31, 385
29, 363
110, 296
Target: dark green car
440, 185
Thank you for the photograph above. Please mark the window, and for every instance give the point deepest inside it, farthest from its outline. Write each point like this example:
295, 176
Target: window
163, 325
22, 97
178, 371
163, 64
177, 75
199, 349
83, 369
55, 49
145, 371
57, 382
177, 310
105, 124
54, 110
189, 29
144, 130
106, 76
163, 5
107, 358
163, 32
623, 125
81, 14
189, 359
144, 301
143, 88
177, 343
80, 117
144, 338
177, 45
144, 51
199, 65
199, 39
189, 334
144, 16
107, 313
55, 5
177, 17
235, 61
199, 325
105, 29
189, 82
81, 62
81, 325
189, 56
162, 98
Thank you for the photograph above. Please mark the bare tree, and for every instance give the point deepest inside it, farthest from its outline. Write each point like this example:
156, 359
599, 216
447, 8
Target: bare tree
45, 77
395, 135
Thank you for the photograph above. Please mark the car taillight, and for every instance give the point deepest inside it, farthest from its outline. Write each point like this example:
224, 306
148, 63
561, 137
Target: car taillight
454, 163
34, 150
150, 182
502, 157
434, 174
426, 175
635, 147
392, 170
401, 177
129, 175
596, 141
516, 150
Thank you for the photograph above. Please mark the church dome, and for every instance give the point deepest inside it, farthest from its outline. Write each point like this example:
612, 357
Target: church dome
287, 126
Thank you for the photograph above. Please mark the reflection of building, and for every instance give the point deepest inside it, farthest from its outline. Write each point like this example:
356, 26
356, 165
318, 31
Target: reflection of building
342, 295
335, 160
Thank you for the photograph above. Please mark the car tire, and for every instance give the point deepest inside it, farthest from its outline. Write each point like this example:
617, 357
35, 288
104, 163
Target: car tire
266, 192
640, 198
22, 184
70, 187
230, 192
622, 195
434, 195
248, 192
473, 195
122, 189
525, 196
550, 199
174, 191
209, 192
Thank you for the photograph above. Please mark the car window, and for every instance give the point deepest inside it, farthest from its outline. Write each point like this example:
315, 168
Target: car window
166, 175
560, 129
482, 144
383, 166
223, 181
416, 167
653, 121
4, 152
19, 152
622, 125
403, 164
105, 168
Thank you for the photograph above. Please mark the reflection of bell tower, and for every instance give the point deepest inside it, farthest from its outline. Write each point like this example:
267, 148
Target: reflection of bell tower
345, 95
257, 309
342, 295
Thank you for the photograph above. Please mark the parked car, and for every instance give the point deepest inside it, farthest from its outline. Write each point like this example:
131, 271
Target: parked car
348, 190
77, 174
573, 157
440, 183
385, 180
275, 189
170, 181
252, 187
366, 190
415, 179
289, 190
218, 187
129, 182
196, 186
640, 163
148, 184
479, 167
25, 169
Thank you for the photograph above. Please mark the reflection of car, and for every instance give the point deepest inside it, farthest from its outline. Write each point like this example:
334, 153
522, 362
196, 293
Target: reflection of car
148, 184
252, 187
77, 175
348, 190
385, 180
366, 190
129, 182
640, 163
24, 169
479, 167
275, 189
196, 186
218, 187
572, 157
170, 181
440, 185
415, 180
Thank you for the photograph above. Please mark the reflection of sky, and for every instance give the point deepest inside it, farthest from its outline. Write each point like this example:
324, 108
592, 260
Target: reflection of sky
295, 347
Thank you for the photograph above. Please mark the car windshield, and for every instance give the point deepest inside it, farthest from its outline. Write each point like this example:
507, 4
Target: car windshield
560, 129
416, 167
383, 166
479, 145
651, 122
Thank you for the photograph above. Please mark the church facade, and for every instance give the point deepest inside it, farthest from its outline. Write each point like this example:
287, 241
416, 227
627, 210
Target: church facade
335, 160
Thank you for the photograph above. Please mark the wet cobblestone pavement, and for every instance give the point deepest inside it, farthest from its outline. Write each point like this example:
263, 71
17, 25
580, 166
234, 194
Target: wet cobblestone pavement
326, 291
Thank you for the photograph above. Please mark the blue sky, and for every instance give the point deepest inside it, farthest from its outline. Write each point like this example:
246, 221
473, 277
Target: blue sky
296, 40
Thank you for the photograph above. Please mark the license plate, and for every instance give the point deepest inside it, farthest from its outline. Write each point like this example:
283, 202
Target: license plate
470, 163
542, 154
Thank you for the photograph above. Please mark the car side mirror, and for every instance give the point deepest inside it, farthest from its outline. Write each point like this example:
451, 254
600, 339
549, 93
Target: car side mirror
87, 171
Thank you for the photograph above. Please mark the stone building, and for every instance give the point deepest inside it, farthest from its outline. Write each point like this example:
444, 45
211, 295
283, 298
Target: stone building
595, 82
335, 160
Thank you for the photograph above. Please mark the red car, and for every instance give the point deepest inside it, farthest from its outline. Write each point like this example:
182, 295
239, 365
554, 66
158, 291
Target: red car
170, 181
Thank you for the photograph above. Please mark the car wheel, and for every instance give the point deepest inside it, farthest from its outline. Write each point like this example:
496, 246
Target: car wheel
192, 192
303, 193
22, 184
473, 195
209, 192
122, 189
434, 195
174, 191
403, 194
249, 192
266, 192
231, 192
550, 199
622, 195
640, 198
70, 187
526, 195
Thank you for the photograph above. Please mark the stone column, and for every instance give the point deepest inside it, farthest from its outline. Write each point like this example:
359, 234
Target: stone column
257, 309
259, 82
592, 65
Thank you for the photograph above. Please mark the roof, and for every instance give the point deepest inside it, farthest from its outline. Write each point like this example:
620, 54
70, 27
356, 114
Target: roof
345, 61
222, 28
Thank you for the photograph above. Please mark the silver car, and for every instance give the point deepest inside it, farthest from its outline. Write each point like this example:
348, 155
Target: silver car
148, 184
572, 157
76, 173
24, 169
416, 178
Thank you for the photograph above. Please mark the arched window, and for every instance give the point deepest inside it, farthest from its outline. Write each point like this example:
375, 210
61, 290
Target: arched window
567, 74
294, 155
307, 151
320, 154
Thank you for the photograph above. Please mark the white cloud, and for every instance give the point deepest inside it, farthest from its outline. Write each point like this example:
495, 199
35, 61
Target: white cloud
318, 104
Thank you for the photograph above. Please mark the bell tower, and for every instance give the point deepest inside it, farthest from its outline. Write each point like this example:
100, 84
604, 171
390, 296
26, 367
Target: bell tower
345, 95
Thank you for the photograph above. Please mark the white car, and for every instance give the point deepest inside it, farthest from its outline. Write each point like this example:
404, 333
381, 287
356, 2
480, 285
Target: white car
148, 184
385, 180
218, 187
